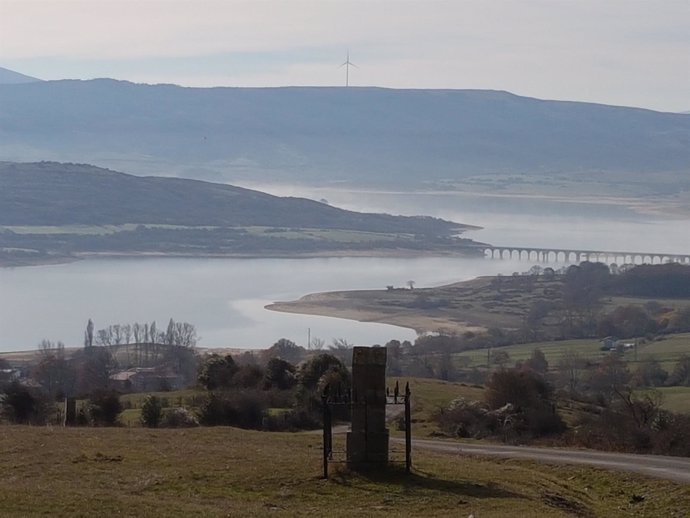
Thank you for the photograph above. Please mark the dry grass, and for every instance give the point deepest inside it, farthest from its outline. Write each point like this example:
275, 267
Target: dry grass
229, 472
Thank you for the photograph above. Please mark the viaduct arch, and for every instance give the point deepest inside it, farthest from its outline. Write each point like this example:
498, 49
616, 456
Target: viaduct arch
572, 256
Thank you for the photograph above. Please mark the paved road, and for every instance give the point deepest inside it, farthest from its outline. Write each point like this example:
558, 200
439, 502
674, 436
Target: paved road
676, 469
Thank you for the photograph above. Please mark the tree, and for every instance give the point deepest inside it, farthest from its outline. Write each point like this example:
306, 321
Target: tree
47, 348
500, 358
152, 333
185, 334
571, 368
312, 371
280, 374
317, 343
650, 374
151, 411
94, 367
56, 375
217, 371
117, 334
88, 334
248, 376
286, 350
411, 284
170, 333
531, 398
609, 377
104, 337
537, 362
104, 407
21, 405
341, 349
127, 333
681, 372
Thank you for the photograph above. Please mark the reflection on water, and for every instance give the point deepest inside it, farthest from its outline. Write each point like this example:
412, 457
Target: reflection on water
225, 298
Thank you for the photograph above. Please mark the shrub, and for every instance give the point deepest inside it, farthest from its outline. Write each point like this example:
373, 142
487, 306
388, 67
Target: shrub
217, 371
531, 397
21, 405
179, 418
293, 420
151, 411
103, 408
242, 409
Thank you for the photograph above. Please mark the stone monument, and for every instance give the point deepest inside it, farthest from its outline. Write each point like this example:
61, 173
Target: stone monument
367, 440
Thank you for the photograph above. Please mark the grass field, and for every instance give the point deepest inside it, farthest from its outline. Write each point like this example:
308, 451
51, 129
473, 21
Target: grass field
676, 399
428, 396
230, 472
666, 350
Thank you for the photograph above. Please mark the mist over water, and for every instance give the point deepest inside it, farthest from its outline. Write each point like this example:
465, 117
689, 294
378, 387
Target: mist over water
225, 298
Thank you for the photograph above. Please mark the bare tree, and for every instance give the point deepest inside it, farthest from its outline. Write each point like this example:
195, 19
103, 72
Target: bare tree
104, 337
46, 348
127, 333
170, 333
88, 334
185, 334
117, 334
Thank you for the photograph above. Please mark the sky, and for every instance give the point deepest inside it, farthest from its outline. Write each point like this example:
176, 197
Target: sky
623, 52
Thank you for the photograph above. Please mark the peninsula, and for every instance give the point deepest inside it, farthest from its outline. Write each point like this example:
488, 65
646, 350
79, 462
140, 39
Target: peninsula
55, 212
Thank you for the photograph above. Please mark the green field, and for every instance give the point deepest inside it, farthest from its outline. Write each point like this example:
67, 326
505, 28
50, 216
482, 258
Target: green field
666, 350
676, 399
428, 396
229, 472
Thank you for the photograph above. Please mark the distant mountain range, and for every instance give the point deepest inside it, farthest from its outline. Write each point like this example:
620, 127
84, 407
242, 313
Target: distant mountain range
50, 210
358, 136
10, 77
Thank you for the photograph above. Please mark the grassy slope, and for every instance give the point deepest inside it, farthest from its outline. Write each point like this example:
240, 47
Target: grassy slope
667, 351
229, 472
430, 395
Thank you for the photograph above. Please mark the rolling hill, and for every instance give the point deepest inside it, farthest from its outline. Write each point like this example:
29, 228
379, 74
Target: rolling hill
361, 136
53, 208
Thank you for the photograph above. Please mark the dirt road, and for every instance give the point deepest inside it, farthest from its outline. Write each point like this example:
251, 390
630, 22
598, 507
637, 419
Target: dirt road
676, 469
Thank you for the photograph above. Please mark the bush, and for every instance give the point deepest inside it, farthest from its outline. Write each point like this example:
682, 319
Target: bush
21, 405
531, 397
293, 420
179, 418
242, 409
103, 408
217, 371
151, 411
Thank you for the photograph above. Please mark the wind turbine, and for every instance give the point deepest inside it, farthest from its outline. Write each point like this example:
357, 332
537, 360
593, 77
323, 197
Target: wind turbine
347, 66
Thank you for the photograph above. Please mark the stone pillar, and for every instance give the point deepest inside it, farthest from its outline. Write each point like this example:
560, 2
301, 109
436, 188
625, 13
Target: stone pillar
367, 440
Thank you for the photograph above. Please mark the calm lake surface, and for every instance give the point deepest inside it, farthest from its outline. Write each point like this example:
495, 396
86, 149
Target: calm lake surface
225, 298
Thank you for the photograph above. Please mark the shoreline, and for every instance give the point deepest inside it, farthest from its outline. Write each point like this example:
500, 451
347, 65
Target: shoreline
351, 305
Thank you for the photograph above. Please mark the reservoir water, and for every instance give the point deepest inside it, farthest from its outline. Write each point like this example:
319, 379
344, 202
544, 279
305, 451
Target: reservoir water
225, 298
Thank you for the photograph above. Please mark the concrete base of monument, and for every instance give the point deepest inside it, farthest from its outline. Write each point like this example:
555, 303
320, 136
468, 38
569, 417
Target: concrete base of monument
367, 451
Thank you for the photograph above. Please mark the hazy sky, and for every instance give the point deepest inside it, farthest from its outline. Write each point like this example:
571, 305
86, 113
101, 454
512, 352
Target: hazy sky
625, 52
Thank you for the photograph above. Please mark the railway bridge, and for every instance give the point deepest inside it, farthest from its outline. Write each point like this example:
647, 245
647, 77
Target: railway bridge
573, 256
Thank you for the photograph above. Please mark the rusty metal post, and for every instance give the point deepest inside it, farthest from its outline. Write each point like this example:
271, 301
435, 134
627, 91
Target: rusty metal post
327, 430
408, 430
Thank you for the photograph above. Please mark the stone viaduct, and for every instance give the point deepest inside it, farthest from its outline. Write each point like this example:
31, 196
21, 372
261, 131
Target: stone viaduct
563, 255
